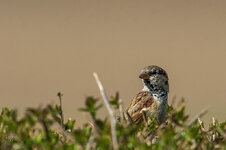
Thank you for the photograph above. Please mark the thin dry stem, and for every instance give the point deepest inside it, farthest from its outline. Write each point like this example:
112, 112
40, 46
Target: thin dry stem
121, 110
129, 118
203, 129
199, 115
214, 133
201, 124
214, 122
110, 111
59, 94
151, 137
219, 130
91, 143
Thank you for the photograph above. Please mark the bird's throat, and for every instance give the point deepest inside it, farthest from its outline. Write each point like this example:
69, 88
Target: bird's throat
153, 88
147, 85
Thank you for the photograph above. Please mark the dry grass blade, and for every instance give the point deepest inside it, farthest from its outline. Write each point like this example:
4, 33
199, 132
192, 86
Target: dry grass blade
110, 111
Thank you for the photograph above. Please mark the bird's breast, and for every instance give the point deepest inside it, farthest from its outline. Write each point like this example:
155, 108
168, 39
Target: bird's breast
159, 110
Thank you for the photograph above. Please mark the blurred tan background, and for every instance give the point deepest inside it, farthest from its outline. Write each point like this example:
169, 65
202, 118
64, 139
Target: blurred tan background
48, 46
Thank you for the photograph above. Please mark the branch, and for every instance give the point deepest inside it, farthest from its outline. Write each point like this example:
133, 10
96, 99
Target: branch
199, 115
111, 113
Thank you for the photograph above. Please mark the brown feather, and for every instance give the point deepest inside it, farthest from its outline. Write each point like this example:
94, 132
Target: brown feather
142, 100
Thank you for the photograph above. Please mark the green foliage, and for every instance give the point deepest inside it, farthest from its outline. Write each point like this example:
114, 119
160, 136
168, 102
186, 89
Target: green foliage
91, 107
44, 128
115, 101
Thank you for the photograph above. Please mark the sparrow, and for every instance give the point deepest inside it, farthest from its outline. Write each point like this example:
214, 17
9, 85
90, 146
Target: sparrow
152, 99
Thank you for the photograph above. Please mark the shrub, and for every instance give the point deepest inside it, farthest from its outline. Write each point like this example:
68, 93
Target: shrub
45, 128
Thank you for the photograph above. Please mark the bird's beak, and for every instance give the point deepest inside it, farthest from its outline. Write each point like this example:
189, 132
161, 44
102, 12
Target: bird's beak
144, 75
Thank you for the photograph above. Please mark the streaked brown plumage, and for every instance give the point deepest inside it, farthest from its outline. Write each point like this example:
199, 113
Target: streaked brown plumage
153, 97
142, 100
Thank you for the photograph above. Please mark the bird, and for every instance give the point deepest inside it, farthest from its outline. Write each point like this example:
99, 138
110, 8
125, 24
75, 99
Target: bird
152, 99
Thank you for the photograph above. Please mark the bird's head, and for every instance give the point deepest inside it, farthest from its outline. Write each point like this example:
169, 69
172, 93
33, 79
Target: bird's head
154, 78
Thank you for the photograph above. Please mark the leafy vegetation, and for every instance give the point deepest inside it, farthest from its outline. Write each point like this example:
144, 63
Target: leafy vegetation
45, 128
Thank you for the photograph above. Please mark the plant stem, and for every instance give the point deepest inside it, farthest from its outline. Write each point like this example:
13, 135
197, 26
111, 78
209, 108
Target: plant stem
59, 94
110, 111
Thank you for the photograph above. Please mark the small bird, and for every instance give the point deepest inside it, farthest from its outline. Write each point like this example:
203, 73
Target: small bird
152, 99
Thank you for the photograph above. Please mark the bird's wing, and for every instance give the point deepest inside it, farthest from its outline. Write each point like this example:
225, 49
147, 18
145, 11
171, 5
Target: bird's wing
141, 101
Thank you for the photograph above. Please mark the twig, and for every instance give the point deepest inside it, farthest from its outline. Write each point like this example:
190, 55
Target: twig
111, 113
214, 122
46, 129
62, 129
201, 124
152, 136
121, 110
59, 94
219, 130
203, 129
129, 118
91, 138
214, 133
199, 115
90, 142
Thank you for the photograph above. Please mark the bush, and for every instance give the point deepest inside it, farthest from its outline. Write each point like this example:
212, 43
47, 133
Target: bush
45, 128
